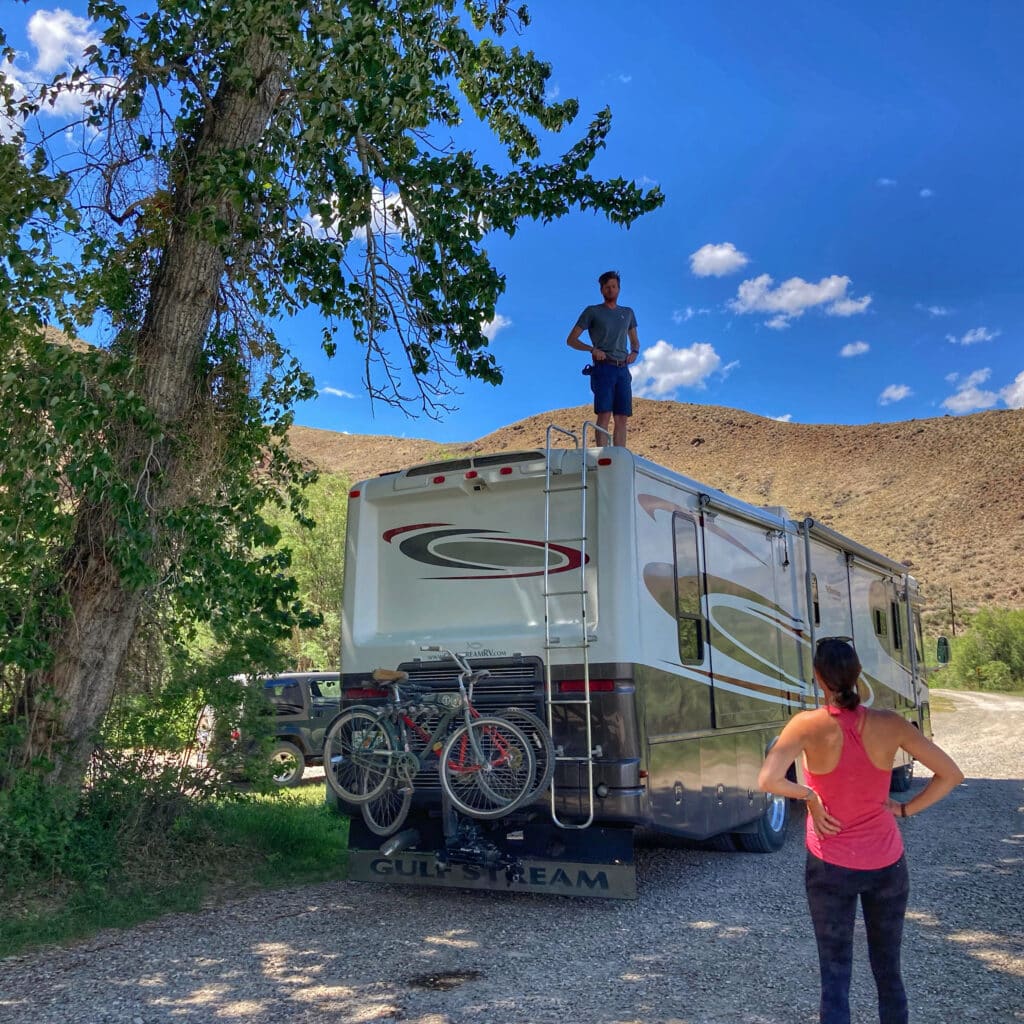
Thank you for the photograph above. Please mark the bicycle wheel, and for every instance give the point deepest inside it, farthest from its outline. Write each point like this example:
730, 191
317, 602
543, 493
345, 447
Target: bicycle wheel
385, 812
494, 783
541, 744
358, 752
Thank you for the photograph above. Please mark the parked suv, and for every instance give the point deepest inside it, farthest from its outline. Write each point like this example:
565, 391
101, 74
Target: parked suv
303, 704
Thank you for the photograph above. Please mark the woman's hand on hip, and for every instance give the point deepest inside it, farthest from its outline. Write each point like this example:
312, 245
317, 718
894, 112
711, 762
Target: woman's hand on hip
824, 823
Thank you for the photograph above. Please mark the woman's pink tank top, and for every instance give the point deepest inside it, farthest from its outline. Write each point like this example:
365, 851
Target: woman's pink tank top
855, 792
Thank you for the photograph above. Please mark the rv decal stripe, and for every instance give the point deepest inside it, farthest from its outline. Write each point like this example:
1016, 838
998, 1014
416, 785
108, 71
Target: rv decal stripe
388, 534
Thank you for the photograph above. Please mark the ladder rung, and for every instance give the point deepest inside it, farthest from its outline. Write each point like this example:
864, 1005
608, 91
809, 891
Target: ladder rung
565, 540
564, 490
564, 593
555, 646
574, 700
577, 760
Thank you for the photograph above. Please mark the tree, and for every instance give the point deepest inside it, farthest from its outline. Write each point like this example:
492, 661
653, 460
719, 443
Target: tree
317, 552
243, 159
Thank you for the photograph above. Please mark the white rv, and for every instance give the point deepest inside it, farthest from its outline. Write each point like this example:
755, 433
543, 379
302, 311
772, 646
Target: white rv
664, 629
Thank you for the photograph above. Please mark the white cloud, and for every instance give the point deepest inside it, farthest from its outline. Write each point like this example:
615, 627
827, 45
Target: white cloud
974, 336
926, 193
727, 369
337, 392
969, 396
886, 182
491, 328
1013, 394
933, 310
894, 393
680, 316
717, 260
60, 38
388, 215
552, 93
625, 79
778, 323
791, 298
854, 348
786, 417
662, 369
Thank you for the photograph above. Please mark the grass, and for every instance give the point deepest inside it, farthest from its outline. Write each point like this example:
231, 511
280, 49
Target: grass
211, 850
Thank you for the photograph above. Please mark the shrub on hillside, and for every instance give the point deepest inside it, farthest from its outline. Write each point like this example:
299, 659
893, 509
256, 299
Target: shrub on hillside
990, 655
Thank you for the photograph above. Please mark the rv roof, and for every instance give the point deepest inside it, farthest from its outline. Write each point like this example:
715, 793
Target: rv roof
476, 462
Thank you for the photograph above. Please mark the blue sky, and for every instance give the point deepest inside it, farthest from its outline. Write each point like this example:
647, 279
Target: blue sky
842, 236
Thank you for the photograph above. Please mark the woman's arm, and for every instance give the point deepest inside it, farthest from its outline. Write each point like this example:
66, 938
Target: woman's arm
772, 777
945, 778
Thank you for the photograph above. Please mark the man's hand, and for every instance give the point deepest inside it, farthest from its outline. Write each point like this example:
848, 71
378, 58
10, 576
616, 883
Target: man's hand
632, 358
599, 355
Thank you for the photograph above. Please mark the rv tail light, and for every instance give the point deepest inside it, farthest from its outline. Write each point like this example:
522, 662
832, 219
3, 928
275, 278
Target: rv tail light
438, 479
505, 471
596, 686
643, 773
364, 693
354, 494
604, 462
472, 474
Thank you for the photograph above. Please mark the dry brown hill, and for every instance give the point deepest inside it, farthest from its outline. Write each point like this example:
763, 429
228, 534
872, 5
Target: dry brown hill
947, 494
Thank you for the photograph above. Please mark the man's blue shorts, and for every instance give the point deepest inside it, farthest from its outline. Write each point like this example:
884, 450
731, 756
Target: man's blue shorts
613, 389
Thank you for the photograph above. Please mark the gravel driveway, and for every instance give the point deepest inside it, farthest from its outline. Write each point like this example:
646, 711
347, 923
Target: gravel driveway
713, 938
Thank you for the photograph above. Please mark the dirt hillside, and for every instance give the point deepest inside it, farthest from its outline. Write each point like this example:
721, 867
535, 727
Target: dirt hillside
947, 494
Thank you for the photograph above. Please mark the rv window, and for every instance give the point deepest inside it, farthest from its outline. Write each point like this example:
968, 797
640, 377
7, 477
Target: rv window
918, 638
880, 618
688, 591
814, 599
897, 631
879, 601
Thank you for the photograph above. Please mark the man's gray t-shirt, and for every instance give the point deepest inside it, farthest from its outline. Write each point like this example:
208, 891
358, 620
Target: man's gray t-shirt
608, 328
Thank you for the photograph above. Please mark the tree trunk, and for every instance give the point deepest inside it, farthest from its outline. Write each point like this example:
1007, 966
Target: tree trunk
67, 703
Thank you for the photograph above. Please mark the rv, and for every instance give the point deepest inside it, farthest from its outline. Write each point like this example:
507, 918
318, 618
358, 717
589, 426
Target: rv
663, 629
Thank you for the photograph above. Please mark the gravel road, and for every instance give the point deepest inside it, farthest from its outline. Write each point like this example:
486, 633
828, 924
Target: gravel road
713, 938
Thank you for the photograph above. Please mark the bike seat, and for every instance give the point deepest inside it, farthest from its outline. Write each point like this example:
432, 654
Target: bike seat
389, 675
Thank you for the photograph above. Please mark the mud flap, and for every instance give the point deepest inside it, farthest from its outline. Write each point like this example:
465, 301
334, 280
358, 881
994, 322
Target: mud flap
535, 858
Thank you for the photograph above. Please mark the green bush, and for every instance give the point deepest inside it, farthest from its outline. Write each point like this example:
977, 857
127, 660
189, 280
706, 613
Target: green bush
990, 655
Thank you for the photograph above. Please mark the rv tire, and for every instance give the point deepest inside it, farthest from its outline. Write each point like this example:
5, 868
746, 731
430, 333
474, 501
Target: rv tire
770, 832
902, 777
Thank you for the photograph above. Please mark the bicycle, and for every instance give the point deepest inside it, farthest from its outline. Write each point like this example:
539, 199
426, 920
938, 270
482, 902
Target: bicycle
486, 764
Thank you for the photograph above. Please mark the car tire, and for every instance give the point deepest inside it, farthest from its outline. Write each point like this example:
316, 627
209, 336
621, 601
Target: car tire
287, 764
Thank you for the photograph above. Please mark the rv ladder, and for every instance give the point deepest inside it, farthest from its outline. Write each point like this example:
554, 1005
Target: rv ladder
583, 641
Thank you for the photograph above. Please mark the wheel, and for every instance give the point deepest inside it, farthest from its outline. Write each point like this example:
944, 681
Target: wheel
495, 783
771, 828
287, 764
540, 743
385, 812
358, 753
902, 777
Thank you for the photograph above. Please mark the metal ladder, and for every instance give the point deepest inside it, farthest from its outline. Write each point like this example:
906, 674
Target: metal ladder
581, 642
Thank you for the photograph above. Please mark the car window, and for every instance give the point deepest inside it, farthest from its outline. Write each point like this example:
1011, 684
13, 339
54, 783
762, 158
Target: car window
328, 689
286, 696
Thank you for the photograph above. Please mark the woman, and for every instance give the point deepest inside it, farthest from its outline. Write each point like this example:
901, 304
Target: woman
854, 846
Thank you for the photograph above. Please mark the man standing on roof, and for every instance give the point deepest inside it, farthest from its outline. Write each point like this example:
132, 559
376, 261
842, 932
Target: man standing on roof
614, 346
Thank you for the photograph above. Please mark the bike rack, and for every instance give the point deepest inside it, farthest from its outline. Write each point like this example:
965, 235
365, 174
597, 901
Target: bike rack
552, 643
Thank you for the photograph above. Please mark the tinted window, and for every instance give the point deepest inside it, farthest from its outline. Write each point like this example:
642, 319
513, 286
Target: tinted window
688, 591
